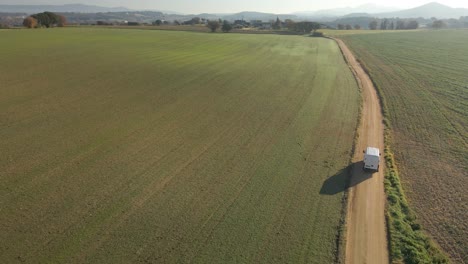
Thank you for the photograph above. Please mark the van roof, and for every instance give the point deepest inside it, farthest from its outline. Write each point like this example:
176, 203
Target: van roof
372, 151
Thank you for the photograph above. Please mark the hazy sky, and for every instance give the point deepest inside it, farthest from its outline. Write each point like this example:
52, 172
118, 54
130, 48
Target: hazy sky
232, 6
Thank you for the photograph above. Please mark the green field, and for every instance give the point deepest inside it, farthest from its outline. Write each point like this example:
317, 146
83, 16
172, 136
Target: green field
423, 78
123, 146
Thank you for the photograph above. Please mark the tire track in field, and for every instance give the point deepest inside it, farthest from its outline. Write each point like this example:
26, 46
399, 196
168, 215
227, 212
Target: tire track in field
366, 236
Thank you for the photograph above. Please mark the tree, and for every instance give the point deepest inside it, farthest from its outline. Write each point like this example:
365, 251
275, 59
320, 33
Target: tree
53, 18
348, 27
438, 24
157, 22
464, 21
392, 26
452, 23
176, 22
42, 19
413, 24
400, 24
277, 24
357, 27
290, 24
213, 25
340, 26
314, 26
46, 19
62, 21
305, 27
226, 26
30, 22
384, 24
195, 21
373, 25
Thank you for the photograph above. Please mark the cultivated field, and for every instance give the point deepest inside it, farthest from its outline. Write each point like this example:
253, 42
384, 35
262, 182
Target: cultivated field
423, 79
123, 146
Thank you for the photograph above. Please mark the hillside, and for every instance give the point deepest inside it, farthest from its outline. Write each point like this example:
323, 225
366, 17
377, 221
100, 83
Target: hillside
121, 13
429, 10
343, 11
257, 16
78, 8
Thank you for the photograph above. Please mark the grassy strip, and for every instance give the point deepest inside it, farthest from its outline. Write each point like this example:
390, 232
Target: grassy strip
408, 243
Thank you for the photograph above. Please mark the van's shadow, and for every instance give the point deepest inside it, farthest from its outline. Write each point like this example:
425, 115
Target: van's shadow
345, 178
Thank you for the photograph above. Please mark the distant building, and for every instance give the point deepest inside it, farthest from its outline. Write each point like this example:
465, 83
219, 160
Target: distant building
240, 24
266, 25
256, 23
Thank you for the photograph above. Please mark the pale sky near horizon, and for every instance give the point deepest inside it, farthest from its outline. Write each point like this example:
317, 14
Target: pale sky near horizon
233, 6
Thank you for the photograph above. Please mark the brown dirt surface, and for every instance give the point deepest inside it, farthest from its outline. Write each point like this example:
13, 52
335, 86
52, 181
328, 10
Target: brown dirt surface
366, 238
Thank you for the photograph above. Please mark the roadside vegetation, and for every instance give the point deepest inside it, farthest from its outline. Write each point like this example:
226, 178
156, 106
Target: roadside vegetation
421, 78
125, 146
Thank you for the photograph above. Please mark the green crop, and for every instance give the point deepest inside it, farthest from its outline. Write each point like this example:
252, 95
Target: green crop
422, 80
125, 146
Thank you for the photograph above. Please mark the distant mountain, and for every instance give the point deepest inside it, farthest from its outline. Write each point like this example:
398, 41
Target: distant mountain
257, 16
357, 15
338, 12
427, 11
205, 15
362, 21
89, 13
77, 8
163, 11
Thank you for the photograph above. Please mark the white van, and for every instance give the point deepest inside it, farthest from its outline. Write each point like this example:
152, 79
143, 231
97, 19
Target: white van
371, 159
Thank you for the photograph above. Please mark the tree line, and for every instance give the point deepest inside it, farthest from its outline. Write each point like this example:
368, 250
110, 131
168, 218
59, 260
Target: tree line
393, 24
462, 22
397, 23
45, 19
348, 26
303, 27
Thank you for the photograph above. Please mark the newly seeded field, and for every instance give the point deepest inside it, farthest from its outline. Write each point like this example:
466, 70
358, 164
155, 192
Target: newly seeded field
423, 77
121, 146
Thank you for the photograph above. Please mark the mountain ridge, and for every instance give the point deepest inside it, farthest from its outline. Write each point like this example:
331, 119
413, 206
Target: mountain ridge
432, 9
78, 8
342, 11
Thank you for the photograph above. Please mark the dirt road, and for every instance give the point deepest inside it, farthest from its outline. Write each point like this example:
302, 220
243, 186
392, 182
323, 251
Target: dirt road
366, 237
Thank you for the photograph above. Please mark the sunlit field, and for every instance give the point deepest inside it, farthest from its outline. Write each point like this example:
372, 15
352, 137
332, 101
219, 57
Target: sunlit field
423, 79
125, 146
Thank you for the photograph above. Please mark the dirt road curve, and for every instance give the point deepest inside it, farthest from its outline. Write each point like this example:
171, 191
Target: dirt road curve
366, 237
